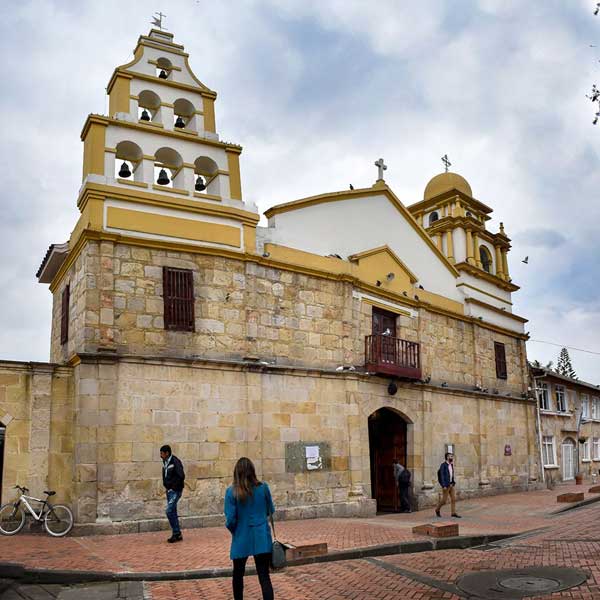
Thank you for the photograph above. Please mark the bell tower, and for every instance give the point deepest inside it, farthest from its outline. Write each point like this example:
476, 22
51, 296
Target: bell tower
456, 221
156, 175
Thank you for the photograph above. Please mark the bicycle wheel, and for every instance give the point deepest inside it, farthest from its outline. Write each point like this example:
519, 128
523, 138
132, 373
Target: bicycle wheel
12, 519
58, 520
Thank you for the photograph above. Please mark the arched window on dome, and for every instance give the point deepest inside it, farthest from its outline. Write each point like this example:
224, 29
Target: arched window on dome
129, 161
149, 107
164, 68
206, 173
184, 115
433, 217
486, 259
168, 168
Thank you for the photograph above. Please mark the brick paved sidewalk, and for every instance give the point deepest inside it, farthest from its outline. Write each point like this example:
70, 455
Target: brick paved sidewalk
570, 540
209, 547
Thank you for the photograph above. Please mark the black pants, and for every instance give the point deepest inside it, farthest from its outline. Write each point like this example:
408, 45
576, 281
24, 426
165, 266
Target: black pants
404, 491
262, 561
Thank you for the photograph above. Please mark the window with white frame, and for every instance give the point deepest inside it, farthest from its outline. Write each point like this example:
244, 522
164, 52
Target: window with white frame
585, 450
548, 451
561, 398
585, 407
596, 448
595, 408
543, 396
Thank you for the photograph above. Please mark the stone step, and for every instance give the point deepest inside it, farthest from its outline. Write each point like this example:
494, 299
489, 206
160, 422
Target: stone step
595, 489
306, 550
571, 497
437, 530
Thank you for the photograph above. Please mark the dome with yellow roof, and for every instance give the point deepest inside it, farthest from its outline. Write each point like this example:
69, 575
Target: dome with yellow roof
444, 182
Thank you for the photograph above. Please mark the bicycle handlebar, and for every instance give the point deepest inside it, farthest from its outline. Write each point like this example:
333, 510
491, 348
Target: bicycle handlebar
23, 489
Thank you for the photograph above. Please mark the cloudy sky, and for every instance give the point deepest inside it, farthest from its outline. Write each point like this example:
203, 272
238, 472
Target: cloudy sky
315, 91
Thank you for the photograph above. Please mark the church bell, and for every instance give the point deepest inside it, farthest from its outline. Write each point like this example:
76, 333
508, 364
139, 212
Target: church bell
145, 116
200, 185
163, 74
124, 171
163, 178
179, 122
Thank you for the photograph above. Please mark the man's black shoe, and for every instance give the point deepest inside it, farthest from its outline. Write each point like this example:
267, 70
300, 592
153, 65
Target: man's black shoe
456, 516
175, 538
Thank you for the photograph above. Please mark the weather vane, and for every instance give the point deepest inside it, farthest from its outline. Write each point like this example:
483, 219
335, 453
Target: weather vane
446, 162
157, 21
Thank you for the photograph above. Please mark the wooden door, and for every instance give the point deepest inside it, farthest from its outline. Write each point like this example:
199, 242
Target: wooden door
382, 323
387, 442
2, 434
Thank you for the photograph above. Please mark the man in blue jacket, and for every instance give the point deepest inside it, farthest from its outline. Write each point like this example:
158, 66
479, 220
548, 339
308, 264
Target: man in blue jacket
173, 480
446, 480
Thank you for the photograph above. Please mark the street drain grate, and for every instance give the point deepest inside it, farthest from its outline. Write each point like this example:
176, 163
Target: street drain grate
520, 583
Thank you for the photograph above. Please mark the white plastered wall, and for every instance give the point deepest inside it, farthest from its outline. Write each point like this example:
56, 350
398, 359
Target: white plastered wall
347, 227
491, 316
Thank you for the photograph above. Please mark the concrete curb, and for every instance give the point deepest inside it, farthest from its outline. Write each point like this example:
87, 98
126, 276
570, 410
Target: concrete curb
574, 505
48, 576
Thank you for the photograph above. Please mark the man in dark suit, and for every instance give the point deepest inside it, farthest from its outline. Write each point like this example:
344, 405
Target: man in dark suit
446, 480
173, 480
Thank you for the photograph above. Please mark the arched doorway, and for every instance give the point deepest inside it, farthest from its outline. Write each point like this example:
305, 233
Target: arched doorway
387, 442
2, 434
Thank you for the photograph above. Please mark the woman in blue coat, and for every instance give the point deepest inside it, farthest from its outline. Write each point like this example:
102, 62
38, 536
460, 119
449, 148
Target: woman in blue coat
248, 504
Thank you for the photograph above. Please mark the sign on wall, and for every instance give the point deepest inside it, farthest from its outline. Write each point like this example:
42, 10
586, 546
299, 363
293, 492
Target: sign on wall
307, 456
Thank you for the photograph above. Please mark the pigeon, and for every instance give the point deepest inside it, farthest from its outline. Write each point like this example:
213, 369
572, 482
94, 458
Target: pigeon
387, 332
597, 116
351, 187
340, 368
597, 9
526, 260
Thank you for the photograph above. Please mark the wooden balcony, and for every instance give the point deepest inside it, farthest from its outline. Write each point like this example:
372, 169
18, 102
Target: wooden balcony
387, 355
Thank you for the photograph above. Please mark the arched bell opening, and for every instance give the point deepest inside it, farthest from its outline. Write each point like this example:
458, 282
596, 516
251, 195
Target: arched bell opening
168, 168
206, 175
129, 161
388, 441
149, 107
164, 68
485, 257
184, 116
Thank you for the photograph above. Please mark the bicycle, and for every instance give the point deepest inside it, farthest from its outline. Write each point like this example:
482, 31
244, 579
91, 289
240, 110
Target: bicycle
57, 518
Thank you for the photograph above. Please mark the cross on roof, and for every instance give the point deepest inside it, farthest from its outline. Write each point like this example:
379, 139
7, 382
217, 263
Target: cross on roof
381, 167
446, 162
157, 21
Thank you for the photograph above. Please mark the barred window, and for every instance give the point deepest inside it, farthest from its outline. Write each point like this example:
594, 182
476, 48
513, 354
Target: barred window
500, 353
64, 314
178, 292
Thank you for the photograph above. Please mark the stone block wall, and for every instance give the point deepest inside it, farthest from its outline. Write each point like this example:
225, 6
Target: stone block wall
246, 309
36, 410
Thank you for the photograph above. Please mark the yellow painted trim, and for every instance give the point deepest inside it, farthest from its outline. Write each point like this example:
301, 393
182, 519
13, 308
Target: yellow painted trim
149, 198
208, 107
167, 104
250, 239
155, 63
203, 91
481, 274
208, 196
385, 248
166, 132
143, 222
94, 140
387, 307
377, 189
119, 94
430, 203
150, 124
134, 183
496, 309
170, 190
484, 292
235, 181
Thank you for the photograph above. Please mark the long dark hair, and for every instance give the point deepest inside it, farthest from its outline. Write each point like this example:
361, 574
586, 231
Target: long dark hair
244, 479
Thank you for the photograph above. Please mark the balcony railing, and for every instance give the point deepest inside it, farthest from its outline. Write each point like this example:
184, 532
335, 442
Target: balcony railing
392, 356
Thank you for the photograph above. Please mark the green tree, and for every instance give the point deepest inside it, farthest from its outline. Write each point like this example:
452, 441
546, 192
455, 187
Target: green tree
564, 366
538, 365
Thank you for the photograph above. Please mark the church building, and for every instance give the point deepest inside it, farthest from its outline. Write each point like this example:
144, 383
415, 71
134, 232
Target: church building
353, 330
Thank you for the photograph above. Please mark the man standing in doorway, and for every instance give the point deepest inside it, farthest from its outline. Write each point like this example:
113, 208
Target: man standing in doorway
173, 480
402, 477
446, 480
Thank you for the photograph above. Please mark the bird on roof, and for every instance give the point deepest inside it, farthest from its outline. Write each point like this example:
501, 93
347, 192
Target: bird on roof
351, 187
526, 260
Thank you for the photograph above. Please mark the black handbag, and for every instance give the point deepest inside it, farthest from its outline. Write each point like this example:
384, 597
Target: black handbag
278, 559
